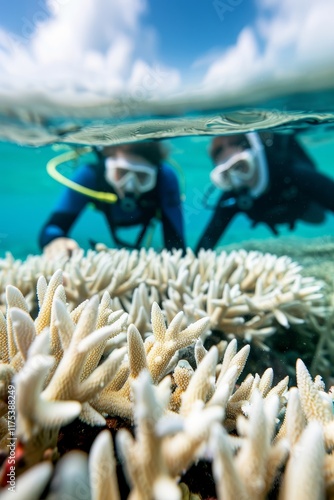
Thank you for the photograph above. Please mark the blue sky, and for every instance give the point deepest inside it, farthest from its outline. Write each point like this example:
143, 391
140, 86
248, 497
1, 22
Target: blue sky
187, 30
197, 26
113, 46
192, 29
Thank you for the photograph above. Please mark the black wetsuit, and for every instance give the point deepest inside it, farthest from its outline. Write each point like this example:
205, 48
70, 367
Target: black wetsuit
296, 190
163, 202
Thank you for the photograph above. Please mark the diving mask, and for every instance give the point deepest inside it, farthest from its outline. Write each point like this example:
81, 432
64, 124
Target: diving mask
128, 176
236, 172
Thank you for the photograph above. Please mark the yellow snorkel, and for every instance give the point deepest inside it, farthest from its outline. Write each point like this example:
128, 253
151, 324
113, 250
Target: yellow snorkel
102, 196
51, 168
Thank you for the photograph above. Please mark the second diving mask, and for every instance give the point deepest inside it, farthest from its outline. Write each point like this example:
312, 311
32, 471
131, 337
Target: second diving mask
127, 176
235, 172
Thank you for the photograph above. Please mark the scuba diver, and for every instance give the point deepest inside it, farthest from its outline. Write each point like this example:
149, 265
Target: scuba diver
143, 188
267, 176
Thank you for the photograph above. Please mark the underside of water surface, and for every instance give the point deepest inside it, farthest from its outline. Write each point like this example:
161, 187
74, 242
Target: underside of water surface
43, 117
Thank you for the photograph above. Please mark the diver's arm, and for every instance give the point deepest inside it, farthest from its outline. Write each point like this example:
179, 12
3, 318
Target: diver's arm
317, 186
219, 221
171, 209
57, 226
68, 208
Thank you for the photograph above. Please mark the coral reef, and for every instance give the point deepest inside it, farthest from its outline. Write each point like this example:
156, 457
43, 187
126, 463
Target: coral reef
315, 255
138, 363
246, 295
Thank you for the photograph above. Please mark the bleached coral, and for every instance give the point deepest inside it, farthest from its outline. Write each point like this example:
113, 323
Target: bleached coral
245, 294
64, 365
246, 467
55, 363
61, 368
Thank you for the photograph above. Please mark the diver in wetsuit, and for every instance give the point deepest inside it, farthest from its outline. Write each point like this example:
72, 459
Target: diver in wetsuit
270, 178
145, 189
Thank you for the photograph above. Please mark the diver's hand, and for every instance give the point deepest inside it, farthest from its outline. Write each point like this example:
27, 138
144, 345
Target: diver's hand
60, 247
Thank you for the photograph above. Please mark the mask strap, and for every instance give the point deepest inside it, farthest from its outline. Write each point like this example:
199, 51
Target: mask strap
260, 157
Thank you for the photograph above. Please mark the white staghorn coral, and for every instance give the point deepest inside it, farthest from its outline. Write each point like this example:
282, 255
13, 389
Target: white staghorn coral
31, 484
181, 397
304, 476
155, 355
102, 468
55, 363
38, 421
145, 464
68, 381
245, 294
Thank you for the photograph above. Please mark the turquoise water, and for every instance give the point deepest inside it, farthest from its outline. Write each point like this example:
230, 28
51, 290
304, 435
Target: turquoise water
28, 195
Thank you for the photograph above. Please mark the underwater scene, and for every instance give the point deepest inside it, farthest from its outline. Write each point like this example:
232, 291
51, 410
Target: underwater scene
167, 250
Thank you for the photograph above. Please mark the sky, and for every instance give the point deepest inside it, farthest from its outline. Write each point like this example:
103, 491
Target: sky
149, 47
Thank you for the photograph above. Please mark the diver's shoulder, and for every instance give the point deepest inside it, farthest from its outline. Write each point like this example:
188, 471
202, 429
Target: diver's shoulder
86, 173
167, 171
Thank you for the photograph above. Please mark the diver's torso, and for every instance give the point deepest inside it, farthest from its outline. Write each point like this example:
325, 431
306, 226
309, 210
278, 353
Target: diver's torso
278, 206
282, 201
130, 211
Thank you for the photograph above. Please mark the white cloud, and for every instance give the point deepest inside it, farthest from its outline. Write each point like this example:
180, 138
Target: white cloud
103, 47
237, 61
95, 45
287, 39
